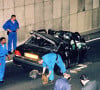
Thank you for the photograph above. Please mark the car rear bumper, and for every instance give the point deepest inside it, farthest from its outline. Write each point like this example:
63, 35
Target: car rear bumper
24, 61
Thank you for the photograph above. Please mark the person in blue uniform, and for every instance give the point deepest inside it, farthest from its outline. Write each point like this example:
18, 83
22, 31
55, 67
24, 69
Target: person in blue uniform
48, 61
11, 26
3, 54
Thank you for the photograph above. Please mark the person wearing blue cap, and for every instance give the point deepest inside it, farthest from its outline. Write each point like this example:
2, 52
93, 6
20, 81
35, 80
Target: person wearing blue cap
11, 26
48, 61
3, 54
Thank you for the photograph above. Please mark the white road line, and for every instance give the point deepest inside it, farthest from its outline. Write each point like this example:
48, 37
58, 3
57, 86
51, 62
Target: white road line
76, 70
92, 40
80, 67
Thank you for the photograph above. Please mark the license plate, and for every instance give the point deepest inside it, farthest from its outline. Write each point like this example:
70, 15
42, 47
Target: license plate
34, 57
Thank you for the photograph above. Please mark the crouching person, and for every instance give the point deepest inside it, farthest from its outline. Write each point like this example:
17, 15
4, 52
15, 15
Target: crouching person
87, 84
63, 83
48, 61
3, 54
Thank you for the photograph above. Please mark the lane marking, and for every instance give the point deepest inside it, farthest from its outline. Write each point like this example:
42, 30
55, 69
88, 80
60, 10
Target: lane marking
82, 65
93, 40
79, 68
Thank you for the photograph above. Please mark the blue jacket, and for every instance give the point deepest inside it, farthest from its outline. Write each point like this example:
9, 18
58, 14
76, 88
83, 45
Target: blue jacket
49, 60
10, 25
62, 84
3, 50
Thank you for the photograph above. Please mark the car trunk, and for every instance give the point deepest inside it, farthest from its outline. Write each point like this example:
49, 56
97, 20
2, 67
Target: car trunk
29, 48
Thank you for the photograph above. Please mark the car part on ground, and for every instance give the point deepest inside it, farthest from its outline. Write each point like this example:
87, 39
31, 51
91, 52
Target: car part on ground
34, 74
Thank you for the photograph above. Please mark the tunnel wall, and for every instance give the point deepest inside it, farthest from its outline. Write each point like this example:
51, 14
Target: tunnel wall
72, 15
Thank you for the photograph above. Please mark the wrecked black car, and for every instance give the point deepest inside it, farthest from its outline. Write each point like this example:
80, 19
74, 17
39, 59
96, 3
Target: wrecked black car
76, 41
42, 42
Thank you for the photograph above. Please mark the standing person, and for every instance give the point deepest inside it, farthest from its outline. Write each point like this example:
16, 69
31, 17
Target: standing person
11, 26
63, 83
3, 54
87, 84
48, 61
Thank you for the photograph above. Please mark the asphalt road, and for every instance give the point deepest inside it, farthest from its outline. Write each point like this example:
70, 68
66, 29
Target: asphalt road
17, 79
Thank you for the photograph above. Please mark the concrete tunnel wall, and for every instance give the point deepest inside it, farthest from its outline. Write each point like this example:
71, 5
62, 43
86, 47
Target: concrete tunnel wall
73, 15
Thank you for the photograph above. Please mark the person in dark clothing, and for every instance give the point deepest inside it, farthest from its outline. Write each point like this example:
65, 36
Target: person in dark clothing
87, 84
63, 83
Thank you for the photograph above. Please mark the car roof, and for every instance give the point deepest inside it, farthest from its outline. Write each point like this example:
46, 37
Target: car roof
48, 37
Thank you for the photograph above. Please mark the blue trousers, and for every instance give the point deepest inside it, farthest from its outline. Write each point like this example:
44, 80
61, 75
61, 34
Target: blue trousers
51, 77
12, 38
61, 65
2, 68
